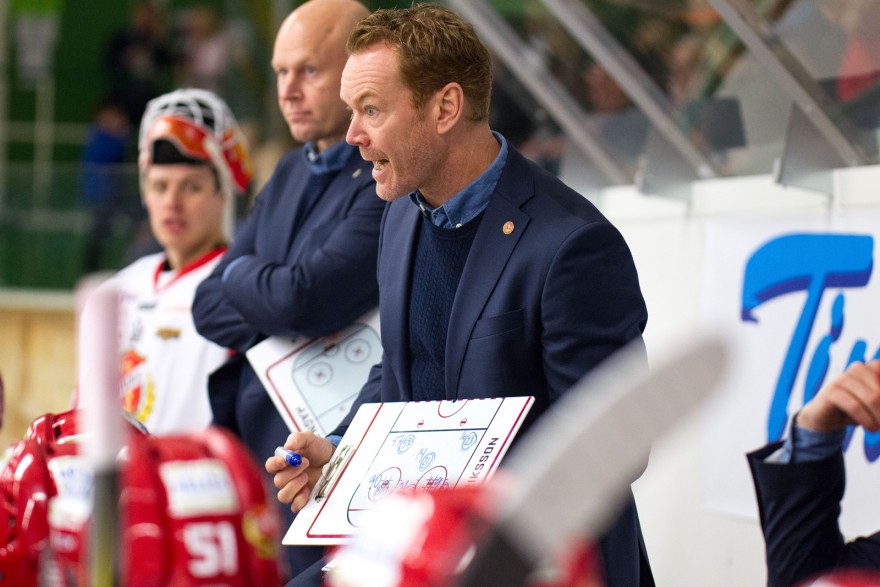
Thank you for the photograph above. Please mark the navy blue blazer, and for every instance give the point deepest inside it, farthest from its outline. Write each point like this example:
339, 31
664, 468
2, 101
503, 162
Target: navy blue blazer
305, 272
535, 309
799, 505
301, 269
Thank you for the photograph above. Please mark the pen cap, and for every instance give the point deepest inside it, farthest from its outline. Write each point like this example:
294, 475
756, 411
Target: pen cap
289, 457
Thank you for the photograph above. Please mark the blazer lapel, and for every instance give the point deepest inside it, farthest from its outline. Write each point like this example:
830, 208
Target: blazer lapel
289, 212
316, 200
395, 284
492, 247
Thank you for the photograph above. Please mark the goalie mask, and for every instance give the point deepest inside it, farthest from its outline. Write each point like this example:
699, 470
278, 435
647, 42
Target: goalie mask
200, 127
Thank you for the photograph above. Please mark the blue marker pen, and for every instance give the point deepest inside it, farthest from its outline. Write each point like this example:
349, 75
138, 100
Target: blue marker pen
290, 457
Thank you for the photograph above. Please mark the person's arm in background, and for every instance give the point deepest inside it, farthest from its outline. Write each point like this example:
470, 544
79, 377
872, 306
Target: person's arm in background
215, 318
332, 286
295, 484
246, 297
799, 489
327, 290
853, 399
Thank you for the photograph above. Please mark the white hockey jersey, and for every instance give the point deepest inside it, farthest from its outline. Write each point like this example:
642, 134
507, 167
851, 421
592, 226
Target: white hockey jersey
165, 362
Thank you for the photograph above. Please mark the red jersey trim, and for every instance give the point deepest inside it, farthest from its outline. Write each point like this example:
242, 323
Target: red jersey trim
204, 259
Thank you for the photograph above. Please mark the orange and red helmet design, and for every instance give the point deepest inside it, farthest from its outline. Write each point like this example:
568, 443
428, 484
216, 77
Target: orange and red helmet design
200, 125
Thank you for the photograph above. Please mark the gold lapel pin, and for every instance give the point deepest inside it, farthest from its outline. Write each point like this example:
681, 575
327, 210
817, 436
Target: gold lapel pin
507, 228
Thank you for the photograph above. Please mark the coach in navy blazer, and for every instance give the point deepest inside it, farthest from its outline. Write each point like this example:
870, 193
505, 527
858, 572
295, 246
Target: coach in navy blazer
495, 279
304, 261
535, 309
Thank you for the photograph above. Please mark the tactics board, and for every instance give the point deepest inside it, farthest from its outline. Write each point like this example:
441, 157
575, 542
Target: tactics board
313, 382
406, 446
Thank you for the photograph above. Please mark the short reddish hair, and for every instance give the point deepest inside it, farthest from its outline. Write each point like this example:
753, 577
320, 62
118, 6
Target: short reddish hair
434, 47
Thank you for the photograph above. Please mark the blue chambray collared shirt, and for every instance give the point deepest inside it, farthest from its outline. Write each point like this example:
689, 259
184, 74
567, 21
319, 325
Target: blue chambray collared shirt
469, 202
331, 160
804, 446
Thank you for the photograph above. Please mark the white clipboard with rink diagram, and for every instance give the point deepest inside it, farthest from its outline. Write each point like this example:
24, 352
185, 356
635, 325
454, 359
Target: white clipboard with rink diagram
314, 381
406, 446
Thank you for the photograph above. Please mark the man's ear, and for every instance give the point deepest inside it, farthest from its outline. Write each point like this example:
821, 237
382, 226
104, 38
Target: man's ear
450, 106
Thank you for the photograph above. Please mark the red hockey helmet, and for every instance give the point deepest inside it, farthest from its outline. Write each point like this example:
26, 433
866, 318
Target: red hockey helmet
193, 511
429, 538
845, 578
26, 488
433, 535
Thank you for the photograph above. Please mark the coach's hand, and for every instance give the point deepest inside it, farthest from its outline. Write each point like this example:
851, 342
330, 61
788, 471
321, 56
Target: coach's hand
295, 483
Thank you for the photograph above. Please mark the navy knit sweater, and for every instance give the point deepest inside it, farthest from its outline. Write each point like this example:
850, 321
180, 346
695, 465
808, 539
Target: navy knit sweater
439, 261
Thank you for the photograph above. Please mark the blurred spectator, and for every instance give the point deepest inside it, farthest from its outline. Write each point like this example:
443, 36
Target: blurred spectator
104, 192
265, 154
860, 63
206, 47
681, 63
514, 113
139, 61
622, 127
36, 34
